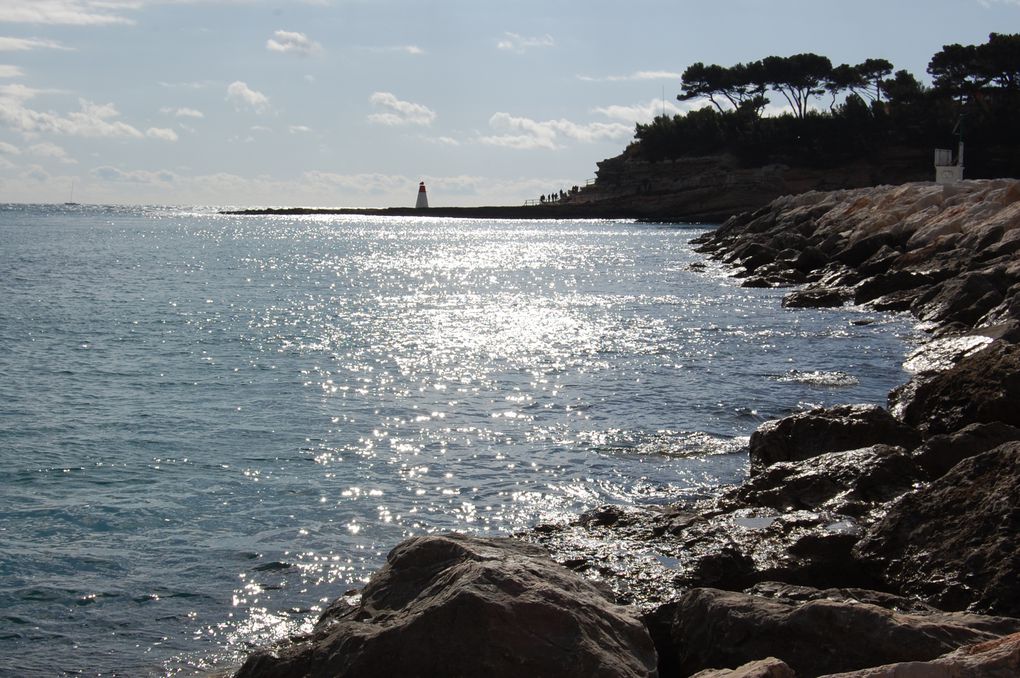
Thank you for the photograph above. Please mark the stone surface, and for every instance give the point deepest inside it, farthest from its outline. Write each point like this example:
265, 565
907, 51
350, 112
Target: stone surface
826, 634
770, 667
940, 453
452, 605
821, 430
853, 483
983, 387
998, 658
954, 542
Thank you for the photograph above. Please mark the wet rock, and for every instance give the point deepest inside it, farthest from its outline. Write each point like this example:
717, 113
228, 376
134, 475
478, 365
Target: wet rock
940, 453
963, 298
983, 387
998, 658
853, 483
956, 542
887, 283
821, 430
816, 297
825, 634
456, 605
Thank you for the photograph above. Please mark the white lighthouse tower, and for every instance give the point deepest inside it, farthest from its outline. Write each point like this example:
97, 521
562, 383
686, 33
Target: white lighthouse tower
423, 199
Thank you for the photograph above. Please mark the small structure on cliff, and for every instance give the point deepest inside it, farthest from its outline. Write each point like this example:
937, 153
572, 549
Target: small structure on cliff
423, 199
947, 169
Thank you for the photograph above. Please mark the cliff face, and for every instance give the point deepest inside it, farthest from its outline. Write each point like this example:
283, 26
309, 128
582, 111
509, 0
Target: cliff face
713, 188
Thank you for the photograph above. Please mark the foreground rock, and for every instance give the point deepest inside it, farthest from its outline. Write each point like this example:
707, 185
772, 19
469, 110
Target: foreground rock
954, 542
818, 632
993, 659
459, 606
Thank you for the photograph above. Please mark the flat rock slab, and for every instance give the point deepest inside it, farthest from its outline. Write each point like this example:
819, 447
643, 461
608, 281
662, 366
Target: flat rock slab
453, 605
994, 659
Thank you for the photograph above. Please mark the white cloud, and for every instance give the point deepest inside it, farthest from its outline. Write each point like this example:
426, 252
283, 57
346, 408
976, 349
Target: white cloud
10, 71
67, 12
25, 44
182, 112
161, 133
243, 96
413, 50
514, 42
647, 111
290, 42
442, 141
107, 173
525, 133
8, 149
399, 112
198, 84
299, 129
633, 77
50, 150
93, 120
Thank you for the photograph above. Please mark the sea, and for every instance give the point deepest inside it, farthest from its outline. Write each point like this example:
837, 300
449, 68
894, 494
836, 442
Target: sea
212, 425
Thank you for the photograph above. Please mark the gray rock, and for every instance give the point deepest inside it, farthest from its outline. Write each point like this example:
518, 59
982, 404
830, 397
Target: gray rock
956, 542
714, 628
938, 454
821, 430
982, 388
853, 483
453, 605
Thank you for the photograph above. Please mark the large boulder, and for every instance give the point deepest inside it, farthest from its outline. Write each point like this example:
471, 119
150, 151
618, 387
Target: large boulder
815, 634
452, 605
983, 387
770, 667
998, 658
821, 430
955, 542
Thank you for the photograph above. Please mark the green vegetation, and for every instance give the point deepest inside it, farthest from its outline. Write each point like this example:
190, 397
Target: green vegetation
868, 109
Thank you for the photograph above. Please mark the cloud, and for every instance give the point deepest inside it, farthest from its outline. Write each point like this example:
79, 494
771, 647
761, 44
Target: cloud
525, 133
646, 112
413, 50
634, 77
442, 141
8, 149
290, 42
299, 129
513, 42
10, 71
93, 120
25, 44
50, 150
67, 12
198, 84
399, 112
243, 97
182, 112
161, 133
107, 173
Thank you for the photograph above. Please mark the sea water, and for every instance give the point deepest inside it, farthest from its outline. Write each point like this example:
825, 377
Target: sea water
212, 425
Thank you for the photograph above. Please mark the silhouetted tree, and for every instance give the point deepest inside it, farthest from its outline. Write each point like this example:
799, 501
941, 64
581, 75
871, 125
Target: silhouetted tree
797, 78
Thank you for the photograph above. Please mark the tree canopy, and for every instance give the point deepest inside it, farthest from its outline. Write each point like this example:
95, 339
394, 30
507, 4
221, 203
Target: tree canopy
866, 107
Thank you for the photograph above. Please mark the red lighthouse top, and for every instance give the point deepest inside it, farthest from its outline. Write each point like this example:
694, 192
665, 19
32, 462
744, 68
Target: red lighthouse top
421, 187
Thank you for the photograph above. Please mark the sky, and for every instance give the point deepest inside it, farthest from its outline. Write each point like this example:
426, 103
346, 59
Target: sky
350, 103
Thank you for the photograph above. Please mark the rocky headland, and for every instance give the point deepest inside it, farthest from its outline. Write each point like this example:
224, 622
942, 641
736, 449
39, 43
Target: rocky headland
867, 541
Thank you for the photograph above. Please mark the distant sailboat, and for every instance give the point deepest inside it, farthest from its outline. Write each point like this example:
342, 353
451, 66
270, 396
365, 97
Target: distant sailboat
70, 200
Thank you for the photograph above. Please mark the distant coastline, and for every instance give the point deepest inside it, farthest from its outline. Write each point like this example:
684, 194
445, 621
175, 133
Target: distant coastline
552, 211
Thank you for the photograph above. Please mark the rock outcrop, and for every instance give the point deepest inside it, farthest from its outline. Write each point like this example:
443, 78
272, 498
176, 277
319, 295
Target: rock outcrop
452, 605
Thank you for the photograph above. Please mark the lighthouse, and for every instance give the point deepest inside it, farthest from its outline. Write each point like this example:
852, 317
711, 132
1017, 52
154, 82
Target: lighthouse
423, 199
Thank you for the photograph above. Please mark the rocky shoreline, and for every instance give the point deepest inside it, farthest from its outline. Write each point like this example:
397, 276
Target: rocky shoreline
867, 541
